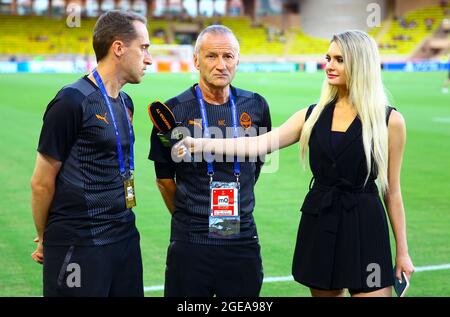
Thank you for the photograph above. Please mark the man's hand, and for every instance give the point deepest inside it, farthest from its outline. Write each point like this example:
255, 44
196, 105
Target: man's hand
38, 254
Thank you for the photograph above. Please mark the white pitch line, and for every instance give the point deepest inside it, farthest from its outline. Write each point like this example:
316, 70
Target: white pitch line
153, 288
290, 278
432, 267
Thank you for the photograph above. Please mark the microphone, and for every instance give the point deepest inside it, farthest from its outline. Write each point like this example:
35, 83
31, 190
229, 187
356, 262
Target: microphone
170, 131
164, 121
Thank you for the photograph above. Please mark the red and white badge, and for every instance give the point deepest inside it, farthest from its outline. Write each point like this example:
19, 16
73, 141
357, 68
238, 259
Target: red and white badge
224, 200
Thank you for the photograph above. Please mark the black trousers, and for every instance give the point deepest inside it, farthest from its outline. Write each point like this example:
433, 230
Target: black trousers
194, 270
113, 270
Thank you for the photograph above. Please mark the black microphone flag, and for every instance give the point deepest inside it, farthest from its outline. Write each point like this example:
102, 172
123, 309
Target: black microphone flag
164, 120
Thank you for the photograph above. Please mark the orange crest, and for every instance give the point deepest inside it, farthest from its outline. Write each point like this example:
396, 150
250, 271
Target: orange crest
245, 120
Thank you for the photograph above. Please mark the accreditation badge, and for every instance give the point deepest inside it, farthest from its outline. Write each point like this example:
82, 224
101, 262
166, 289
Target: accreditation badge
130, 198
224, 219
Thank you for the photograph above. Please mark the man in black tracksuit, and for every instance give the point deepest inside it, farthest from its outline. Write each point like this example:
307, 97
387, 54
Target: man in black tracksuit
82, 186
204, 259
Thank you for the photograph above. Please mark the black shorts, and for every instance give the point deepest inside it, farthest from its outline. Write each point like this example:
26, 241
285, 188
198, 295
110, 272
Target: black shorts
195, 270
99, 271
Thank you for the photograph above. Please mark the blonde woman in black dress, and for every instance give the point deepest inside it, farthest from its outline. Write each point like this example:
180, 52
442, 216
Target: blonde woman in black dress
355, 143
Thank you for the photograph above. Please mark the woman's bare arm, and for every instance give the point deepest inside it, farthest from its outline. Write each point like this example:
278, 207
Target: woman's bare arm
393, 198
288, 133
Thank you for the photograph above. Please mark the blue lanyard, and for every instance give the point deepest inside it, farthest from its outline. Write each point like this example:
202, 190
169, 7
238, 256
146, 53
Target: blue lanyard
99, 81
206, 134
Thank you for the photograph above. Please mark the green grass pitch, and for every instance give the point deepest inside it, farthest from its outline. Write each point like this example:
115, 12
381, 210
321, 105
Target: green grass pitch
425, 175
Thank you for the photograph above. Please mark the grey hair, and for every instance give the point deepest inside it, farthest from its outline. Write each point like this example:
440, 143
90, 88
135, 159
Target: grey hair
215, 29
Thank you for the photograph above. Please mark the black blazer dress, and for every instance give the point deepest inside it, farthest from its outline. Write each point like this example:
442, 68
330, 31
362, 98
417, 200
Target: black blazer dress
343, 233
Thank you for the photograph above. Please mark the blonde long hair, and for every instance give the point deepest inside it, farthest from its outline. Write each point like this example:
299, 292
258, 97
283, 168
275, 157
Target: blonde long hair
367, 95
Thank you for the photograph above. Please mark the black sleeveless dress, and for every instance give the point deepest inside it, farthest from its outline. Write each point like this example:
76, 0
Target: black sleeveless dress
343, 236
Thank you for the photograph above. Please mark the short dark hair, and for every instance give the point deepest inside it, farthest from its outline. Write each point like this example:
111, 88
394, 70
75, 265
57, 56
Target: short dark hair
111, 26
